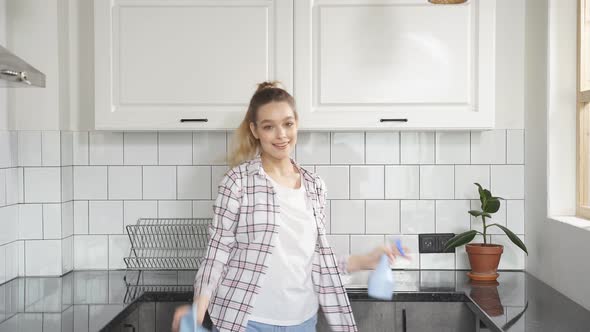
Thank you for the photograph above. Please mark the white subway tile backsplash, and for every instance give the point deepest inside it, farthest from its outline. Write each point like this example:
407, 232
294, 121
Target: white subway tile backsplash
90, 252
30, 221
21, 185
5, 149
50, 148
507, 181
2, 187
175, 148
67, 219
313, 147
159, 182
81, 217
67, 183
134, 210
119, 246
194, 182
106, 148
340, 244
336, 179
452, 216
437, 182
203, 209
124, 182
437, 261
209, 148
452, 147
12, 186
12, 259
488, 147
3, 277
348, 217
417, 148
217, 174
513, 258
9, 221
402, 182
29, 148
43, 257
465, 178
175, 209
515, 146
80, 149
328, 220
364, 244
382, 216
67, 254
367, 182
67, 148
42, 185
417, 216
515, 215
13, 148
497, 218
348, 148
90, 182
105, 217
382, 147
52, 221
140, 148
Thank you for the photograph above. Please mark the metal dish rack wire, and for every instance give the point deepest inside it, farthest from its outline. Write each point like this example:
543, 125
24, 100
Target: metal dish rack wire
164, 244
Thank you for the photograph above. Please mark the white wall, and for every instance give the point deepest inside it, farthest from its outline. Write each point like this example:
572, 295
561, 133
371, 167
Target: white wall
557, 250
3, 105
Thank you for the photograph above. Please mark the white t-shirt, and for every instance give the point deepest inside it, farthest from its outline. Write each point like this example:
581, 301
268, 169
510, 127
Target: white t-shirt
287, 296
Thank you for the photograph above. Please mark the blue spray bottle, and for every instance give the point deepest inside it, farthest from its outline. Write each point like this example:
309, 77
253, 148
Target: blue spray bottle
188, 322
381, 280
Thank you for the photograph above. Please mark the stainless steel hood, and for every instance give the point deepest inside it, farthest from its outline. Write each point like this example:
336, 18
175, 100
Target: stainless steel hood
17, 73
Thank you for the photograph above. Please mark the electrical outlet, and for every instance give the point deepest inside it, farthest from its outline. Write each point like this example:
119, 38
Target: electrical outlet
434, 242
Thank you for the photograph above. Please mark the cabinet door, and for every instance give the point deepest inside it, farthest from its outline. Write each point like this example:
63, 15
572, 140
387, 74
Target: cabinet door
401, 64
158, 62
434, 316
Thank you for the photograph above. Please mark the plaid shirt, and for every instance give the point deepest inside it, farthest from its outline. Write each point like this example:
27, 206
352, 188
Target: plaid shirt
240, 247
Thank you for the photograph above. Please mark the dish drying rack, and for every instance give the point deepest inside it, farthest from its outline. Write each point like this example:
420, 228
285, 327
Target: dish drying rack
164, 244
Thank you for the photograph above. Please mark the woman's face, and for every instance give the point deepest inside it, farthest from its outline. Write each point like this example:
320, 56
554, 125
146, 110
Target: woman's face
276, 128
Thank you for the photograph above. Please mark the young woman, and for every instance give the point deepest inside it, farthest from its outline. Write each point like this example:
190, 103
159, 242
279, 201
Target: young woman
269, 265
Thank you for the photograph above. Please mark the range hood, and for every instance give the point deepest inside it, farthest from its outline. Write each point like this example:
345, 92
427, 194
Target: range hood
17, 73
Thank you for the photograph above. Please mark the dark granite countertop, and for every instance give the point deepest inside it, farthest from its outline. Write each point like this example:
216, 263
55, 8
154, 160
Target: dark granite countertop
89, 300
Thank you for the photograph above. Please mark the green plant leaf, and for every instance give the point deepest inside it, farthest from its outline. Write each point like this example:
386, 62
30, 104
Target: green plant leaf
476, 213
515, 239
487, 215
492, 206
460, 239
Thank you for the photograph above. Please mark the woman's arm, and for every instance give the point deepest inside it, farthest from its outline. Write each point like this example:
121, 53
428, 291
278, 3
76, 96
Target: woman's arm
221, 243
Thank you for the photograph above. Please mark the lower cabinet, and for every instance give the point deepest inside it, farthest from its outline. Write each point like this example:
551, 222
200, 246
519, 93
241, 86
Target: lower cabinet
409, 317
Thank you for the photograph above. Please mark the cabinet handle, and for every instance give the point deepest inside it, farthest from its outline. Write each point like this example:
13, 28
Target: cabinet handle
393, 120
129, 326
194, 120
404, 324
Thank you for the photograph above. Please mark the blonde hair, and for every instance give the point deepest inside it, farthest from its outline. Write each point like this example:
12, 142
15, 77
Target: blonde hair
244, 145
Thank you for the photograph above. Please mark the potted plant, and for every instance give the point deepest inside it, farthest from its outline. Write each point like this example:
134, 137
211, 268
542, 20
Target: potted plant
484, 257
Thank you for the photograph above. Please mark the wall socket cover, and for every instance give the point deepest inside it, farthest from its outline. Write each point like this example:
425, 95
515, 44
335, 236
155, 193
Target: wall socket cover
432, 243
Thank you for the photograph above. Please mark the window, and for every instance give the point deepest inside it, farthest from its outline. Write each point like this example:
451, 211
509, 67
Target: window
583, 112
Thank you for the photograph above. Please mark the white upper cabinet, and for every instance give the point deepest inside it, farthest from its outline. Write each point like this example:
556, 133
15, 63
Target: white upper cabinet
403, 64
187, 64
351, 64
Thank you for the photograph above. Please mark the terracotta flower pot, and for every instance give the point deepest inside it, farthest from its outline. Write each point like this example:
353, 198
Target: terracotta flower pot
484, 260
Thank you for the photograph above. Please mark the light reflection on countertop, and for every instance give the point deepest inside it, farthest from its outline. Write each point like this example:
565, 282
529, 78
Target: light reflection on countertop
87, 300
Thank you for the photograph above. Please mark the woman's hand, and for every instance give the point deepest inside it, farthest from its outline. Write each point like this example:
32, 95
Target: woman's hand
178, 314
369, 261
202, 305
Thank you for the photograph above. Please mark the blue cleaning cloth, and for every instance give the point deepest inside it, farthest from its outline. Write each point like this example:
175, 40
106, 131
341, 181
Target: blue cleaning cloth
188, 322
380, 284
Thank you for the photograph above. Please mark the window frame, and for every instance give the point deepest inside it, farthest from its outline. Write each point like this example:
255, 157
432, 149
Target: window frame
582, 112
